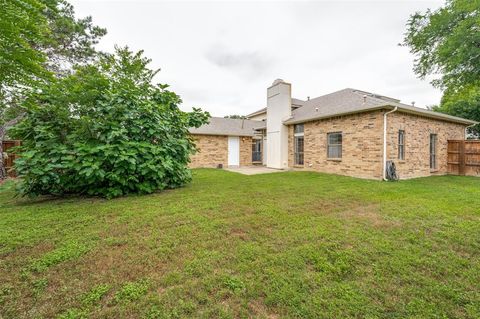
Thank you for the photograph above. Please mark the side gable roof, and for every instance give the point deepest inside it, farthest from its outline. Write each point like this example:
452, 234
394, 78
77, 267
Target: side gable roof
261, 111
227, 126
349, 101
296, 103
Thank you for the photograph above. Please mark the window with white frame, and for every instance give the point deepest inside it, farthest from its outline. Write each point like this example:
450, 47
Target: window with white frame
334, 145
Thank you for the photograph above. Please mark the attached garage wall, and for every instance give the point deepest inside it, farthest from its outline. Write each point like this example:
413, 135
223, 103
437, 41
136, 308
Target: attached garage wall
213, 150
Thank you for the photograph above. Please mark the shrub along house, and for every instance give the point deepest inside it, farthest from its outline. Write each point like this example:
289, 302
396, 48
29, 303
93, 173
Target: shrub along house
348, 132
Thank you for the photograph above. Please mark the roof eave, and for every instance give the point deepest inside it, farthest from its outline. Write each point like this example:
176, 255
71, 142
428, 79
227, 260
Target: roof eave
293, 121
256, 113
439, 116
223, 134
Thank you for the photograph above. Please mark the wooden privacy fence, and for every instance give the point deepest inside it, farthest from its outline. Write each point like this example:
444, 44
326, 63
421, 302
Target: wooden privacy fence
9, 157
464, 157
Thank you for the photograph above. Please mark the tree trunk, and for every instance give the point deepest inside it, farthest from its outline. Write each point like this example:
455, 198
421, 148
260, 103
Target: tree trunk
3, 132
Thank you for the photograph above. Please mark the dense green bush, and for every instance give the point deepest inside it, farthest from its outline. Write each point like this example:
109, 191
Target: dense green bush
106, 130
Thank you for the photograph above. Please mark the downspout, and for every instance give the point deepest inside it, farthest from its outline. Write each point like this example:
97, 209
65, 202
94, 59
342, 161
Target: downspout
385, 141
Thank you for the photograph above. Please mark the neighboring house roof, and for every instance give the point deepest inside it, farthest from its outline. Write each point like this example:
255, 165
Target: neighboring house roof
227, 126
296, 103
261, 111
349, 101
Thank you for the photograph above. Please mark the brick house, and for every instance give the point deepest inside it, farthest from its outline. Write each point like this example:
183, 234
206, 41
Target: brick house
348, 132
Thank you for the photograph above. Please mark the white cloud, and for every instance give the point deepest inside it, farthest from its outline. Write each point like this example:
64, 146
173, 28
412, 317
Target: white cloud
221, 56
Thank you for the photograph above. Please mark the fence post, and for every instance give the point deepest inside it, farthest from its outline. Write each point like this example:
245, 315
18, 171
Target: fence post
461, 158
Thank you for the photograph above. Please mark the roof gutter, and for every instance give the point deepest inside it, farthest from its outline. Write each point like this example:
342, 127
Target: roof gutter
322, 117
262, 111
440, 116
223, 134
385, 141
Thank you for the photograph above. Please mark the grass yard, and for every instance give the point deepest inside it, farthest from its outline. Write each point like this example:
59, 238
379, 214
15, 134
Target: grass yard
294, 244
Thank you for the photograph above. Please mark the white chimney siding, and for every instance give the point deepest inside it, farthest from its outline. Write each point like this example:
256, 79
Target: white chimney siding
279, 109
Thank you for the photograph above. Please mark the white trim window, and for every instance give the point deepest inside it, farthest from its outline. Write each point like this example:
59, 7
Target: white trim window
334, 145
298, 141
401, 145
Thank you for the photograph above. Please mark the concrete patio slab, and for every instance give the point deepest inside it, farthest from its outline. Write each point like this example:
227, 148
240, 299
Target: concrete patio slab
253, 170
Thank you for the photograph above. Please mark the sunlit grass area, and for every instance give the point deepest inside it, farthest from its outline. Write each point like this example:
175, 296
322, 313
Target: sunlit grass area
292, 244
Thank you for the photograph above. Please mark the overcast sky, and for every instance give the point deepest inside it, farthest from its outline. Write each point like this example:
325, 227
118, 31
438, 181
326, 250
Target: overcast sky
221, 56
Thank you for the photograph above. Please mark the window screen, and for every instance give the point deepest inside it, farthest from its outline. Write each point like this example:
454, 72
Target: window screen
334, 147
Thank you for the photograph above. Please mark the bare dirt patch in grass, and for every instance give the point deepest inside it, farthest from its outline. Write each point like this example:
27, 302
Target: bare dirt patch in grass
369, 214
239, 233
259, 310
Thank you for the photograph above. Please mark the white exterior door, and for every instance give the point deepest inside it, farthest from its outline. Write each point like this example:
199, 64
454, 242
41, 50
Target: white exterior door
233, 151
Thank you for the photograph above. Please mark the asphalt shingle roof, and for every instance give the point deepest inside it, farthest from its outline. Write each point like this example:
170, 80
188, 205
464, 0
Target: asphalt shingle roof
230, 127
296, 103
343, 102
348, 101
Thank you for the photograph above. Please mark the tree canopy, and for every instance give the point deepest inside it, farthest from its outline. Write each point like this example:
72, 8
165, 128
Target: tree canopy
105, 130
464, 103
40, 40
446, 43
22, 24
71, 41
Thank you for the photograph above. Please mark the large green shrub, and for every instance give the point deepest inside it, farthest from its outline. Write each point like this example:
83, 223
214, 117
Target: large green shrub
106, 130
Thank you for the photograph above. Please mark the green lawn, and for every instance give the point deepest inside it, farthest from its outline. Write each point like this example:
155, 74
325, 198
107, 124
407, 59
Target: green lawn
294, 244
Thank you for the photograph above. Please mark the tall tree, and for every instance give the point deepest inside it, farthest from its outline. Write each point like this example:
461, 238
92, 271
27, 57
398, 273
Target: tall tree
22, 23
40, 40
446, 45
71, 41
463, 102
